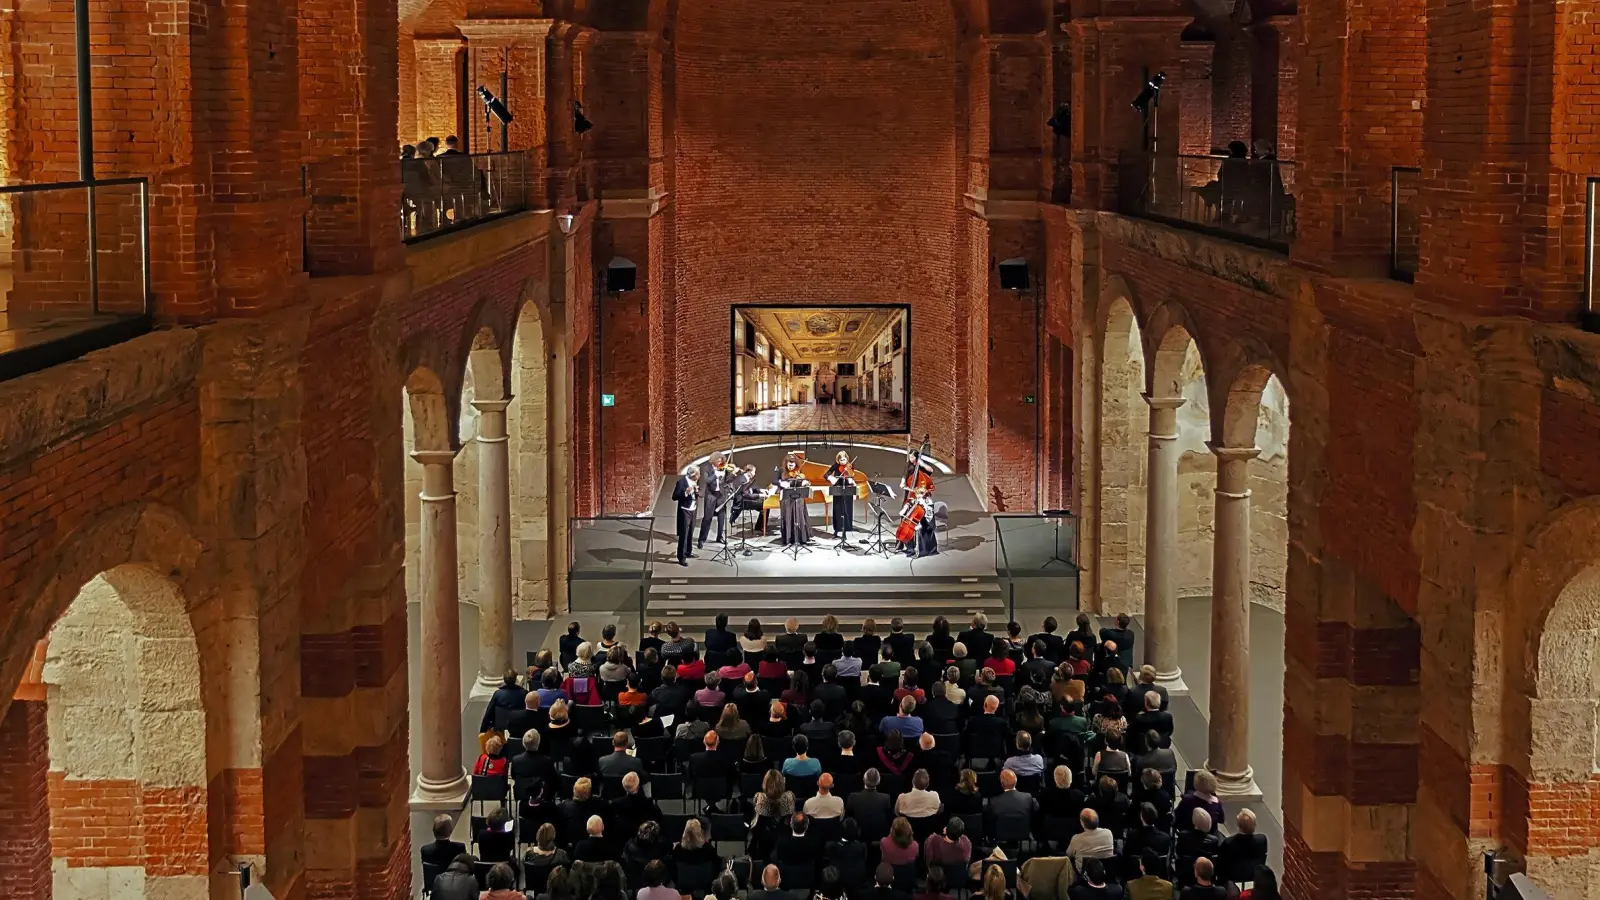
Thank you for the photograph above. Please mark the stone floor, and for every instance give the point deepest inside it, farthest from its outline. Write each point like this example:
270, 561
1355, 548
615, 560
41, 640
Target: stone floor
820, 417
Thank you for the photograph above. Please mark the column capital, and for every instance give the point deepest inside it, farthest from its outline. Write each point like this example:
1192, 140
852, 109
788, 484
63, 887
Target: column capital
1228, 454
434, 457
1163, 402
508, 32
491, 406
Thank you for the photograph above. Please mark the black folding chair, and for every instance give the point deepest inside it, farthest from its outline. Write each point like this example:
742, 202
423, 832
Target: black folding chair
826, 831
592, 720
430, 871
730, 827
694, 879
490, 789
923, 826
666, 786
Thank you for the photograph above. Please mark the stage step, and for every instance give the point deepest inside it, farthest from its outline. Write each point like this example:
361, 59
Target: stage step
695, 602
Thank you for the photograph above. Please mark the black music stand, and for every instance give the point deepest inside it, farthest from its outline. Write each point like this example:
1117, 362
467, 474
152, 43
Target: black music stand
729, 551
881, 493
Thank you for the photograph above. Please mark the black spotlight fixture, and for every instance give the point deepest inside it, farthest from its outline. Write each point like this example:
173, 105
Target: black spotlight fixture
494, 106
1061, 122
580, 122
1151, 95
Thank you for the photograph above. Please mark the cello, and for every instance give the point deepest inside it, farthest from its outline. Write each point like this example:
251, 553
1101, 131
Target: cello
918, 484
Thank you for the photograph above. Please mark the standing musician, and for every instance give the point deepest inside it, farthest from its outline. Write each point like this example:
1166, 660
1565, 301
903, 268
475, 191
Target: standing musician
842, 475
684, 494
918, 507
715, 475
793, 524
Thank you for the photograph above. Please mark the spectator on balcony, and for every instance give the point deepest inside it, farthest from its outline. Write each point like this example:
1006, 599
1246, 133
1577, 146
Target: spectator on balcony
452, 146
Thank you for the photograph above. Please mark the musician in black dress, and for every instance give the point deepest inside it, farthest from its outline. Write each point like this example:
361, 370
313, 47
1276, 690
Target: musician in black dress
842, 476
793, 524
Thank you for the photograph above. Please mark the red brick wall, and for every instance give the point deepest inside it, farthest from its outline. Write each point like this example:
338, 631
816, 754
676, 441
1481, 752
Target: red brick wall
149, 455
1230, 88
624, 364
814, 165
24, 802
1015, 323
1569, 433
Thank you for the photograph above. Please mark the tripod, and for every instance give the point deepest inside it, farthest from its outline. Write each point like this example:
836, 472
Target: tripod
844, 536
729, 551
879, 542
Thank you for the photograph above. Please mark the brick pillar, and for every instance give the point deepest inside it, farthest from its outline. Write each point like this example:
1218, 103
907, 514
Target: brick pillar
1360, 114
623, 365
441, 94
24, 801
349, 104
1231, 86
1509, 139
1194, 121
1276, 84
1109, 58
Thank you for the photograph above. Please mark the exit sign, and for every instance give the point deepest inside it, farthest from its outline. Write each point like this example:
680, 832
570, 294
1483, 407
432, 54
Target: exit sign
608, 399
1027, 398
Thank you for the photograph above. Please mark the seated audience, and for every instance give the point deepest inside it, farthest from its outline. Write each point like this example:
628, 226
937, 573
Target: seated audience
1204, 886
1025, 761
492, 762
457, 881
950, 848
824, 805
801, 765
919, 802
1094, 883
442, 851
594, 847
1092, 842
495, 838
899, 847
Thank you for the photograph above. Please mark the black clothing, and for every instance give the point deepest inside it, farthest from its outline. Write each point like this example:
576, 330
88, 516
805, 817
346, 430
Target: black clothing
1147, 838
873, 812
1158, 721
683, 494
904, 647
1239, 856
720, 640
942, 644
523, 722
978, 643
670, 699
593, 849
790, 643
1055, 649
835, 699
1037, 670
456, 883
1109, 890
843, 506
1124, 641
869, 647
939, 715
1209, 892
617, 764
850, 858
830, 645
510, 698
714, 486
569, 647
441, 853
794, 522
494, 845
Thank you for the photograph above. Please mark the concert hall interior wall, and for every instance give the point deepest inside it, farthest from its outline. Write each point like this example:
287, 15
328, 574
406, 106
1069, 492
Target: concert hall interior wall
816, 163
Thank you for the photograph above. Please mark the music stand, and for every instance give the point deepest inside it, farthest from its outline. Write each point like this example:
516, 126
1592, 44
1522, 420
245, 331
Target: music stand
880, 494
729, 551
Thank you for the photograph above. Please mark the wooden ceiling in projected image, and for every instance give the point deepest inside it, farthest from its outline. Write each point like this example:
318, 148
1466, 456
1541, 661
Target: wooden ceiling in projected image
823, 334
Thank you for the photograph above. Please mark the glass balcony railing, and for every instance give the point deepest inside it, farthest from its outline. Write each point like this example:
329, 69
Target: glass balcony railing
1036, 558
1247, 200
1590, 315
1405, 222
449, 192
74, 269
609, 564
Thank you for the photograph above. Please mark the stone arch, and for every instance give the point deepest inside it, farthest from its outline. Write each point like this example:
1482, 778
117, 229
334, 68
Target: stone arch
431, 426
1121, 461
1169, 337
1553, 699
125, 716
528, 421
1242, 375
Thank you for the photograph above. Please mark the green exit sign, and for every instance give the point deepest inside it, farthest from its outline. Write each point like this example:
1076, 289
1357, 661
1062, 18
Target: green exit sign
1027, 398
608, 399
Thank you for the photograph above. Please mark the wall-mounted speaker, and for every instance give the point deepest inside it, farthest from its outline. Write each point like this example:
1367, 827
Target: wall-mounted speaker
621, 276
1014, 275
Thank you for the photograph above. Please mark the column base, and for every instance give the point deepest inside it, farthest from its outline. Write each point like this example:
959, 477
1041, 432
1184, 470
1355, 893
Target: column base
484, 687
1237, 787
448, 796
1173, 682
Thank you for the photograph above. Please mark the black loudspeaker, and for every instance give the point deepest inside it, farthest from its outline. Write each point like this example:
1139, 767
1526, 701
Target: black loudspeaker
620, 279
1014, 275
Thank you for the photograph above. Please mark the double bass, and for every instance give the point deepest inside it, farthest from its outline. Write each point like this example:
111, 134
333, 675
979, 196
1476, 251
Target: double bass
918, 484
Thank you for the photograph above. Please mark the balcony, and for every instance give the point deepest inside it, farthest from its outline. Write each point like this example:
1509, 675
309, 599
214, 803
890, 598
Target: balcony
1247, 200
446, 193
74, 270
1405, 222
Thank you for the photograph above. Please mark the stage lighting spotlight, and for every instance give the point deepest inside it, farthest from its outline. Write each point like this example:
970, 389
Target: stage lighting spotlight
1061, 122
495, 107
1151, 95
580, 123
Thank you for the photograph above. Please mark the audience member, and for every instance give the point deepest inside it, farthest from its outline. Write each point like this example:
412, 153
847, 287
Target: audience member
801, 765
904, 720
457, 881
977, 640
508, 699
1243, 850
619, 761
495, 838
1025, 762
677, 643
718, 638
593, 847
1264, 885
870, 808
793, 640
753, 641
899, 847
771, 886
1204, 886
1094, 884
919, 802
824, 805
950, 848
1092, 841
442, 851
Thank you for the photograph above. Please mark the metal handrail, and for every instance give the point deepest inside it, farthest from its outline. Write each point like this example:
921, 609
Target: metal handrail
1398, 269
1590, 314
647, 522
1004, 565
34, 188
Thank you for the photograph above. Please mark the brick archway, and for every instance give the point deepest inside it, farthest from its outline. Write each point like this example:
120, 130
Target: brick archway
126, 731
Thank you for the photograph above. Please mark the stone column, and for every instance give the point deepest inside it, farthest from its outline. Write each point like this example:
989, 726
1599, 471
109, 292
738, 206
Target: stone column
494, 545
442, 783
559, 408
1161, 546
1229, 747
